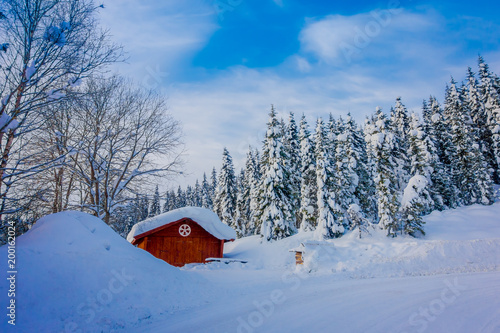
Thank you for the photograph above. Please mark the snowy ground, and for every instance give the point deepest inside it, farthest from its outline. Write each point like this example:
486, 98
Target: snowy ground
449, 303
448, 281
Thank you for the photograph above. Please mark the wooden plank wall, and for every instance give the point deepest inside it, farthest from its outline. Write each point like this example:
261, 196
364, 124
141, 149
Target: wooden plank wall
169, 245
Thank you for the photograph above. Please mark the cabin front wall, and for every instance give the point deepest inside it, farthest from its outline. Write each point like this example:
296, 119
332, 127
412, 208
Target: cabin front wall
170, 246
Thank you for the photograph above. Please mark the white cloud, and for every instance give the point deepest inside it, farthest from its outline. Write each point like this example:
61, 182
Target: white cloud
338, 39
231, 110
302, 64
158, 35
323, 38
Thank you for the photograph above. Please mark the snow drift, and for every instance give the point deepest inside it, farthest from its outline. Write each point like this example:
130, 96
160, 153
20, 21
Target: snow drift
462, 240
75, 274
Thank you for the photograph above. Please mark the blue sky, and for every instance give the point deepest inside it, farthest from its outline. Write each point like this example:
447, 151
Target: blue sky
221, 63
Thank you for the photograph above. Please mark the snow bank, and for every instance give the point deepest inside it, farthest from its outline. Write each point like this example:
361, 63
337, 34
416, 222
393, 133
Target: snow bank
207, 219
464, 223
75, 274
466, 239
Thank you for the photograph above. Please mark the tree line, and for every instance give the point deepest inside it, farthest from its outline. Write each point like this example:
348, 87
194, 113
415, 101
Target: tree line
391, 171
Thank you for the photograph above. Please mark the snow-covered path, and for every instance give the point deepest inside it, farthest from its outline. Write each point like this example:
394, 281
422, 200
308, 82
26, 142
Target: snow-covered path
292, 303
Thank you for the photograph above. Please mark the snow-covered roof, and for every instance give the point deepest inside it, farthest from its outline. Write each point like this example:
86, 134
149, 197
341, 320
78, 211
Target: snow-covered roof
207, 219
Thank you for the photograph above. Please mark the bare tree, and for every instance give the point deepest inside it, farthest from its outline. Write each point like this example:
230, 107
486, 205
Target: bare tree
57, 185
119, 138
46, 47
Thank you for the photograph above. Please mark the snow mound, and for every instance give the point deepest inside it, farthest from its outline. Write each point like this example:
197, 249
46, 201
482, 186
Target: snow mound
462, 240
75, 274
207, 219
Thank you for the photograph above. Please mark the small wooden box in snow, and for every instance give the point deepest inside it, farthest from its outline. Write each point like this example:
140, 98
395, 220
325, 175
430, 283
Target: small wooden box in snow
305, 247
299, 260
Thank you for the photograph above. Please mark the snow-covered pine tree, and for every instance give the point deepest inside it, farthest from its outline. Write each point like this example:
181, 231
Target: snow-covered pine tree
287, 164
413, 205
439, 134
358, 221
475, 104
400, 121
400, 124
155, 204
423, 159
122, 220
197, 194
242, 205
331, 131
308, 188
225, 198
483, 191
250, 188
275, 207
380, 145
253, 169
292, 145
174, 202
365, 189
206, 193
180, 198
213, 187
483, 175
426, 112
189, 196
282, 126
166, 202
367, 130
340, 127
469, 169
170, 202
490, 97
328, 211
422, 156
143, 208
136, 209
496, 83
344, 175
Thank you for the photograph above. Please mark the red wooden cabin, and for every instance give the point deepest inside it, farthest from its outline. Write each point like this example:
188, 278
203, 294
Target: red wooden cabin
178, 238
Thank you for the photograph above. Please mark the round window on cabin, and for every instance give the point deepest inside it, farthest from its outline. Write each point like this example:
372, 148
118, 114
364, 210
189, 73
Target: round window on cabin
184, 230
